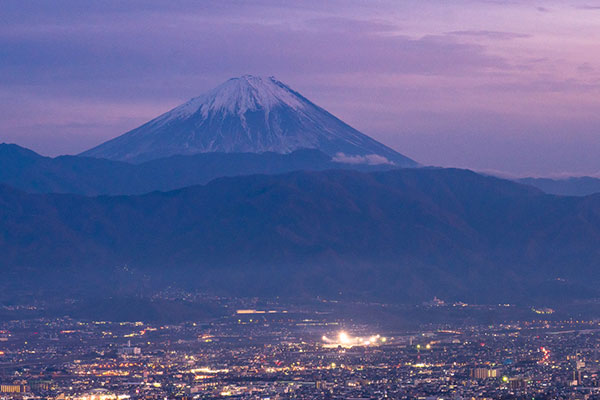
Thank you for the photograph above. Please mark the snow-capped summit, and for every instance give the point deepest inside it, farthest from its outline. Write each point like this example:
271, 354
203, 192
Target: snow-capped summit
239, 95
248, 114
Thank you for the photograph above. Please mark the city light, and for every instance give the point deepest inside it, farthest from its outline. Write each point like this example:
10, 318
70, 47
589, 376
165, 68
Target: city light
546, 355
343, 339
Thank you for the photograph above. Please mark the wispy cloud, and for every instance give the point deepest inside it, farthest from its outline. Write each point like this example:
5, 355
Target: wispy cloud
351, 25
588, 7
369, 159
495, 35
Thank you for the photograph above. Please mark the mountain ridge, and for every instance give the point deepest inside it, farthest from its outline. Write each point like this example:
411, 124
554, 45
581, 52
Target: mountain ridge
570, 186
400, 235
29, 171
24, 169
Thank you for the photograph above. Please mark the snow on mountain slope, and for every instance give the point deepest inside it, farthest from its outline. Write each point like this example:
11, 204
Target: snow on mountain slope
247, 114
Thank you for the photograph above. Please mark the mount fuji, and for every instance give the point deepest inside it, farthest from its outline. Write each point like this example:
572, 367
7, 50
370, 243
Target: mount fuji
248, 114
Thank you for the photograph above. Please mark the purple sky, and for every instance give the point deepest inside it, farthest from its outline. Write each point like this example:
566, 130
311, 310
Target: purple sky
494, 85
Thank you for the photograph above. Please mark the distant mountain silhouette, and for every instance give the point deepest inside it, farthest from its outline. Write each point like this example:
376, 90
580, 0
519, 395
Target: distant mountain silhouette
26, 170
248, 114
573, 186
400, 236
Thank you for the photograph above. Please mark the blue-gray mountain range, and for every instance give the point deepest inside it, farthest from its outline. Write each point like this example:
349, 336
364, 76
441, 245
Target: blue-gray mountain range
253, 190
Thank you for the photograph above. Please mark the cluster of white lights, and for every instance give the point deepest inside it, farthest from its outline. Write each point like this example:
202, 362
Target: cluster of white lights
102, 396
345, 340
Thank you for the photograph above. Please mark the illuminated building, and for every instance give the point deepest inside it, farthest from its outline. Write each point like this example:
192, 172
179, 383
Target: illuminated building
129, 350
13, 388
483, 373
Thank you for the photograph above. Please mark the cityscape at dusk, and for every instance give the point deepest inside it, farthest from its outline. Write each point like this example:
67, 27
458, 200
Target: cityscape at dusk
299, 199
